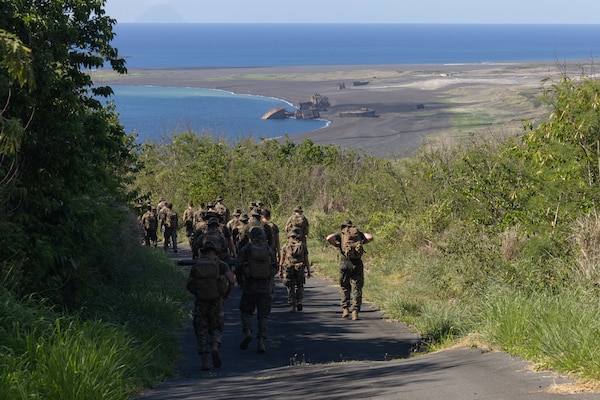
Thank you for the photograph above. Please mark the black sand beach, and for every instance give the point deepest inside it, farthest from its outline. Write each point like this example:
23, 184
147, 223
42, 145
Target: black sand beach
414, 104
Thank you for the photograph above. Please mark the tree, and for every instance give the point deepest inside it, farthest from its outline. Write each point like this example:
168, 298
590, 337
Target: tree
67, 153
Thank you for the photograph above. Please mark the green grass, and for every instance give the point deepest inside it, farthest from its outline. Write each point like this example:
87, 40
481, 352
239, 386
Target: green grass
122, 341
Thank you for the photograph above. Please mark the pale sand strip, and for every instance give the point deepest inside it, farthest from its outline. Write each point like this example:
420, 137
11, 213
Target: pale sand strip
414, 104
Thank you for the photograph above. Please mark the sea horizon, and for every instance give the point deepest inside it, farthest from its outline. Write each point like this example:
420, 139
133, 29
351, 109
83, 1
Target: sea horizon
214, 46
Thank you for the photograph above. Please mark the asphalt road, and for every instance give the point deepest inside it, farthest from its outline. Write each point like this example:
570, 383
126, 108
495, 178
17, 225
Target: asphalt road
316, 354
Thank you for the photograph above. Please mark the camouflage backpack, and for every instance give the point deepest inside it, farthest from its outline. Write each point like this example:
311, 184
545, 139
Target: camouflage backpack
294, 253
170, 219
260, 261
297, 221
205, 273
150, 221
216, 237
352, 243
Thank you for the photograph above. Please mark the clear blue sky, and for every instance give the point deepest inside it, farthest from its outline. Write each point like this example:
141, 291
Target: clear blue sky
358, 11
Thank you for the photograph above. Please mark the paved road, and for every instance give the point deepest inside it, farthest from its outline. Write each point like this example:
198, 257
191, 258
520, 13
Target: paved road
316, 354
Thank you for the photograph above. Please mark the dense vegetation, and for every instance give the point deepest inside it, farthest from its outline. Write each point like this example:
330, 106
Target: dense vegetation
497, 237
67, 265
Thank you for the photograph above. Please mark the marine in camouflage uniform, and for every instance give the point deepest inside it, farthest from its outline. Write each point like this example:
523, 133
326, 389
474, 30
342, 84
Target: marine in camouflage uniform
294, 269
149, 223
257, 294
352, 275
298, 220
208, 315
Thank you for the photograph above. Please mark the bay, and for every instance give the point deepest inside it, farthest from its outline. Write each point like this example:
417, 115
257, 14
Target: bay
155, 113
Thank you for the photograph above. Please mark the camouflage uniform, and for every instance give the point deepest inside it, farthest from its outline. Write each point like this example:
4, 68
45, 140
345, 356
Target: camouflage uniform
293, 269
352, 278
170, 231
149, 223
208, 317
298, 220
257, 294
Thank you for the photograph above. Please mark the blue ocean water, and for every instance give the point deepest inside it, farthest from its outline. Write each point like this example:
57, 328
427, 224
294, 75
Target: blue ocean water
253, 45
156, 112
152, 112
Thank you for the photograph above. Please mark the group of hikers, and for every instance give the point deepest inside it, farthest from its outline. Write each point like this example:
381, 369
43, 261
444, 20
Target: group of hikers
244, 248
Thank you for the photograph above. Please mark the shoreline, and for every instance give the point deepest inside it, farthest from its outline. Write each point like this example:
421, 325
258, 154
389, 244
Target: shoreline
414, 104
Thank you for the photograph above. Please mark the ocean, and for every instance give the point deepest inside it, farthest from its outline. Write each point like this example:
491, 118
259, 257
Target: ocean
153, 112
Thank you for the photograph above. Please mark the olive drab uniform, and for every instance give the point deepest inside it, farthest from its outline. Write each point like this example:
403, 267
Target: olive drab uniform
255, 270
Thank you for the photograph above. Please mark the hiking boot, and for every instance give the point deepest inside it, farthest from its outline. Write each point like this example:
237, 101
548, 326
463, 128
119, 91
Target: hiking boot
261, 345
345, 313
246, 341
354, 315
299, 307
216, 357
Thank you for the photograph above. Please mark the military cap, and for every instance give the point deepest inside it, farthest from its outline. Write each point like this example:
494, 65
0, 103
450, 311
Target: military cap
347, 223
219, 198
238, 212
298, 209
244, 218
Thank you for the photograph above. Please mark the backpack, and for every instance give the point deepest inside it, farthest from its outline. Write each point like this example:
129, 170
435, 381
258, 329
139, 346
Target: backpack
260, 261
150, 221
297, 220
221, 209
217, 238
352, 243
208, 283
294, 253
170, 219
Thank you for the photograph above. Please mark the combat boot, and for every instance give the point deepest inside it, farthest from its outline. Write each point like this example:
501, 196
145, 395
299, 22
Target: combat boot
246, 341
354, 315
261, 345
293, 308
216, 357
299, 307
205, 366
345, 313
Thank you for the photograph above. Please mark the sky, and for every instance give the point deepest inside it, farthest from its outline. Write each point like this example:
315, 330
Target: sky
357, 11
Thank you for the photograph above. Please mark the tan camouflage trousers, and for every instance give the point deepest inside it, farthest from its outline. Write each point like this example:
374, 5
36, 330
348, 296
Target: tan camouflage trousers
208, 323
256, 296
293, 280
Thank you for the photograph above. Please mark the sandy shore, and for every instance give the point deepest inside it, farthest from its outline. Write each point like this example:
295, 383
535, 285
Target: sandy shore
414, 104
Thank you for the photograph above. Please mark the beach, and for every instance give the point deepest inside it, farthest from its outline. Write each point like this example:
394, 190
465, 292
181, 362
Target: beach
415, 105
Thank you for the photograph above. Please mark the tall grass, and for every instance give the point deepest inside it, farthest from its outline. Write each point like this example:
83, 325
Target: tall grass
556, 330
120, 340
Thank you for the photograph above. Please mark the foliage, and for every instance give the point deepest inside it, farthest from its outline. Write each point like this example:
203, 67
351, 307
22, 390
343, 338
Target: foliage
121, 341
64, 158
